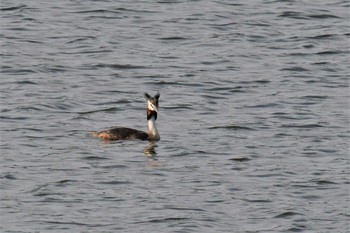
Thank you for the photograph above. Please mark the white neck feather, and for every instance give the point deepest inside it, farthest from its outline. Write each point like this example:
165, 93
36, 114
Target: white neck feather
152, 129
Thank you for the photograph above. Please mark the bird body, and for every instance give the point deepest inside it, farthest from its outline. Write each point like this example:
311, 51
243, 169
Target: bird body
122, 133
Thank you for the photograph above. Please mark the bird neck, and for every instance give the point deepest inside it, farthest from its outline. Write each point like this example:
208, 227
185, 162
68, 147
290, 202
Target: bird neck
152, 129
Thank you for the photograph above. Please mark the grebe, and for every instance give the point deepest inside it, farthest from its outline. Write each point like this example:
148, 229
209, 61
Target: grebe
121, 133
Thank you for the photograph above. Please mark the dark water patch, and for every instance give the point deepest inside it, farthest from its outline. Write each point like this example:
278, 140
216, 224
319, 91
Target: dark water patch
24, 129
295, 69
181, 107
7, 176
26, 82
117, 66
173, 38
135, 10
267, 105
5, 68
257, 200
171, 83
278, 135
93, 51
107, 110
94, 158
308, 46
14, 8
164, 220
33, 41
75, 223
323, 36
115, 182
240, 159
323, 182
267, 175
94, 11
306, 126
254, 82
52, 69
262, 81
292, 14
310, 197
296, 229
81, 39
171, 207
19, 71
210, 98
320, 63
310, 154
49, 199
330, 52
44, 192
208, 63
225, 90
114, 11
299, 54
287, 214
328, 151
215, 201
62, 183
323, 16
116, 166
152, 173
231, 127
13, 118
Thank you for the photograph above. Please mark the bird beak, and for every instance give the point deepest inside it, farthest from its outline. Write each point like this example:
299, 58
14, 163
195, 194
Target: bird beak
155, 109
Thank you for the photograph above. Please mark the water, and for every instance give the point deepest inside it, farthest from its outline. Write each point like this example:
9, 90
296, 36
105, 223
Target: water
254, 116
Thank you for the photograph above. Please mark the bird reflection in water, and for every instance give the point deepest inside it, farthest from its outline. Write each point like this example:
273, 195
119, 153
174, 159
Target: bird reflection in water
150, 150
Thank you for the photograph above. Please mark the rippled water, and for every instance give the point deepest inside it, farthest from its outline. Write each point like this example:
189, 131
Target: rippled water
254, 116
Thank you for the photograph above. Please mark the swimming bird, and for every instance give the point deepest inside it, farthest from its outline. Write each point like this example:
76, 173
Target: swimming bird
122, 133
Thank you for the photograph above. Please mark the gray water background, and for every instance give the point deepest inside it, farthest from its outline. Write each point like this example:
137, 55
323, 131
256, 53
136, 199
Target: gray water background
254, 116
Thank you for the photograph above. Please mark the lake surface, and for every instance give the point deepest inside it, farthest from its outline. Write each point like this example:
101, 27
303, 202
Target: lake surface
254, 116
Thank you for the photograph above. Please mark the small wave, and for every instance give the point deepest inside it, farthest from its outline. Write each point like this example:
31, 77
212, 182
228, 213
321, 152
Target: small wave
323, 36
306, 126
315, 97
295, 68
94, 158
18, 71
163, 220
323, 16
118, 66
173, 38
330, 52
26, 82
95, 11
324, 182
287, 214
233, 127
80, 39
240, 159
62, 183
267, 105
257, 200
76, 223
117, 166
13, 8
112, 109
292, 14
8, 176
116, 182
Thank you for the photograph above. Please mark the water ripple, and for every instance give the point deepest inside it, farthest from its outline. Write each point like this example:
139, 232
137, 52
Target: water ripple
253, 116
